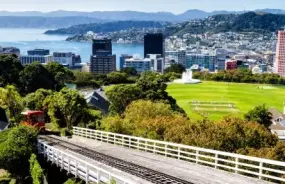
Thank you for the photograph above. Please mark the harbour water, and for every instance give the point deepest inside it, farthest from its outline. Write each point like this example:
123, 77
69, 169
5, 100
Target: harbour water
26, 39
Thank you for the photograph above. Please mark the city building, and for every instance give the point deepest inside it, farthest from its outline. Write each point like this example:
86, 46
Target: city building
178, 55
204, 61
231, 65
140, 64
222, 55
76, 61
25, 60
102, 64
64, 58
10, 50
102, 61
279, 64
38, 52
123, 59
154, 44
102, 47
157, 62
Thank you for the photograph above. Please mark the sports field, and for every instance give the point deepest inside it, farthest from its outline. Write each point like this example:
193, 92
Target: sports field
218, 99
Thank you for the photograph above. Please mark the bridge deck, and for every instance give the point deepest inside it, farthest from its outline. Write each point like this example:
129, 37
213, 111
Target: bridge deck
96, 163
184, 170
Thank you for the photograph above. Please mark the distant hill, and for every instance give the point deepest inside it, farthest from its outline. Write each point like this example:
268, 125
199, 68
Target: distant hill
248, 22
107, 27
135, 15
44, 22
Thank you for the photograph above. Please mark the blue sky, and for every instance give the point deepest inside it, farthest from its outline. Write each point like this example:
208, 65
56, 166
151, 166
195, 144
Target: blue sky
175, 6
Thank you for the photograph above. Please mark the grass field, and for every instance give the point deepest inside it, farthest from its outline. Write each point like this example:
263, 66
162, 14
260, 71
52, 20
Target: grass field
218, 99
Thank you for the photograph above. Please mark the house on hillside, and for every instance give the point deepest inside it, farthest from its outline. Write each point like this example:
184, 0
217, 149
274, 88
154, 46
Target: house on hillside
4, 123
278, 123
97, 99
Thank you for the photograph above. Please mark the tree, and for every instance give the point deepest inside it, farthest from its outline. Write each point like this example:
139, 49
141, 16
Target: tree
144, 118
35, 76
171, 76
261, 115
117, 78
176, 68
34, 101
16, 151
121, 96
130, 71
65, 107
60, 73
10, 67
153, 88
11, 101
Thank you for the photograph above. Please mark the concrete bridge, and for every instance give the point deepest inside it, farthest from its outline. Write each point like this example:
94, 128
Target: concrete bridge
104, 157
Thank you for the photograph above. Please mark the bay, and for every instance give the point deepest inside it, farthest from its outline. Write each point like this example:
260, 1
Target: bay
27, 39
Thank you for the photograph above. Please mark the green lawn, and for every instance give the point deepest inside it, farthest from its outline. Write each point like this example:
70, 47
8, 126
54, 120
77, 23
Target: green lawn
217, 99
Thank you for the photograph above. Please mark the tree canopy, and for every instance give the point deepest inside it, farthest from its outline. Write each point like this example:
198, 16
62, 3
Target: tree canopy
65, 107
12, 102
36, 76
34, 101
17, 149
60, 73
121, 96
157, 120
261, 115
10, 67
175, 68
240, 76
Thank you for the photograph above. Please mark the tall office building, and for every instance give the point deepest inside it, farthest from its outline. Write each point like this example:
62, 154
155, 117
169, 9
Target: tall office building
154, 44
102, 47
102, 61
279, 64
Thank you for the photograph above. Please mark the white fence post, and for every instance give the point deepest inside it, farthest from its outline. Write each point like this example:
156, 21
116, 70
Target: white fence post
260, 170
236, 165
216, 160
197, 156
87, 174
76, 169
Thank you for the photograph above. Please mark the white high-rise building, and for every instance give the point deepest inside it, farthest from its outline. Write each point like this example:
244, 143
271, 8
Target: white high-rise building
279, 64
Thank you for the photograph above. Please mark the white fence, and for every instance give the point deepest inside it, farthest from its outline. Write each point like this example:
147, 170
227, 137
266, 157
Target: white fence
279, 133
79, 168
264, 169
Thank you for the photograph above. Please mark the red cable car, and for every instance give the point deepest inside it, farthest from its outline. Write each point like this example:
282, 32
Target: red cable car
35, 119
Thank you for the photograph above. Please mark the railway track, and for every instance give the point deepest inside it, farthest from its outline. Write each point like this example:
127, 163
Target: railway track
128, 167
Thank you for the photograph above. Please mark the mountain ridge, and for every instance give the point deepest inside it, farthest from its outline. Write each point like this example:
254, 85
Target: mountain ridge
135, 15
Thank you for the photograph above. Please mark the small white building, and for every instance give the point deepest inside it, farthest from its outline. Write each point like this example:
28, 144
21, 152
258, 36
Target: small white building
140, 64
28, 59
64, 58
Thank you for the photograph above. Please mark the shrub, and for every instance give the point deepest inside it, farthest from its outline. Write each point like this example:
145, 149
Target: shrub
35, 170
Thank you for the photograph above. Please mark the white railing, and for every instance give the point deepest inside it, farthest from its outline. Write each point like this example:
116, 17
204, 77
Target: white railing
79, 168
279, 133
263, 169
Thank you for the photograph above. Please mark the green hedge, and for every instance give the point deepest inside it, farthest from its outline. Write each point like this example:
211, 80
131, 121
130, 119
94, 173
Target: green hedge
35, 170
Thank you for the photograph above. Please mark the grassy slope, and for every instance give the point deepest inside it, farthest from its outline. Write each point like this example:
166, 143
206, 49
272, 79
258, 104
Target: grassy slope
244, 96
